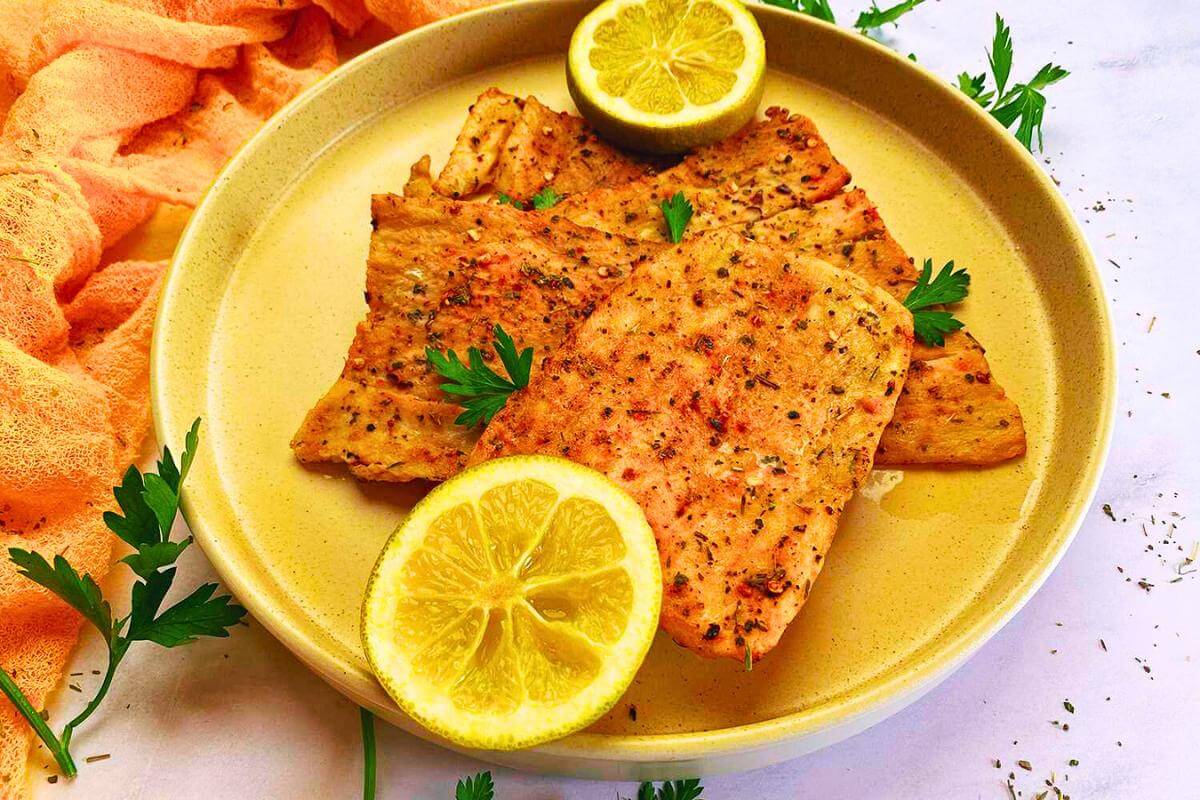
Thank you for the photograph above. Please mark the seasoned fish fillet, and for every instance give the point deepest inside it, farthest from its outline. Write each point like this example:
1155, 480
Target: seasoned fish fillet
772, 165
951, 411
518, 147
738, 394
536, 273
442, 273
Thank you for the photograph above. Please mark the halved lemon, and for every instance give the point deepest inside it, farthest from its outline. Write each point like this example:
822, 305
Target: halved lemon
515, 603
666, 76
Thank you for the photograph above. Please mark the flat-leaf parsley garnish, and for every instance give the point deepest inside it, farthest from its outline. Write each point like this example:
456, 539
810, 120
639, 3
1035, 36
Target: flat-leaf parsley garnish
1023, 104
689, 789
479, 390
477, 787
505, 200
813, 8
950, 286
876, 17
149, 503
546, 198
676, 211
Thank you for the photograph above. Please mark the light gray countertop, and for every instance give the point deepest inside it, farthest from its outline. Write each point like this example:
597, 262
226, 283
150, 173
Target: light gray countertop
241, 718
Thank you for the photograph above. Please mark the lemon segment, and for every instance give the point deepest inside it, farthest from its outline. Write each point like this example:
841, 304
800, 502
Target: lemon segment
666, 76
515, 603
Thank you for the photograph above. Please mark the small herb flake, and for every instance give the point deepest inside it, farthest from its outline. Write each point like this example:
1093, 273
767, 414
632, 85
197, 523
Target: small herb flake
546, 198
677, 212
505, 200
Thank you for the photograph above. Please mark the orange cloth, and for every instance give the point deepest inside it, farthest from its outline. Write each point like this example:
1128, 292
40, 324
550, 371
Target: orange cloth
107, 109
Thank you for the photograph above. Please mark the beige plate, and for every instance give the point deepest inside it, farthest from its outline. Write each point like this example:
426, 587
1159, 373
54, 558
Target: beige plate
267, 287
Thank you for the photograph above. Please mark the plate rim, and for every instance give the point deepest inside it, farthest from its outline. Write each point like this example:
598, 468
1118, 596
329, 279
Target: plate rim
828, 722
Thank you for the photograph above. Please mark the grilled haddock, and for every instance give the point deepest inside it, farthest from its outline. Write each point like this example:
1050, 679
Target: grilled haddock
432, 282
738, 393
779, 180
441, 273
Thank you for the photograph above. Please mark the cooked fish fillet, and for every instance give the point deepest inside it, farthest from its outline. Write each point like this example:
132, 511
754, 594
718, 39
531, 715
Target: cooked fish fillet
519, 147
738, 393
772, 165
442, 273
952, 411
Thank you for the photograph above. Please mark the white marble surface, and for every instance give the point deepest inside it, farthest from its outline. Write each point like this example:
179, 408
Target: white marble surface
241, 718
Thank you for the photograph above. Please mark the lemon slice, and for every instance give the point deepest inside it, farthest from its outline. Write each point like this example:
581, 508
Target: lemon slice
515, 603
665, 76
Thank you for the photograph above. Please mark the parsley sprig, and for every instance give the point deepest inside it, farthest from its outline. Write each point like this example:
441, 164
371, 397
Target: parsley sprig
482, 391
1020, 108
546, 198
677, 211
876, 17
813, 8
149, 503
950, 286
1023, 104
477, 787
504, 200
689, 789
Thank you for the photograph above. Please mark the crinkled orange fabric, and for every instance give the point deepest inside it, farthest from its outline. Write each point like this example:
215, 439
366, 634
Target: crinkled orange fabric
109, 108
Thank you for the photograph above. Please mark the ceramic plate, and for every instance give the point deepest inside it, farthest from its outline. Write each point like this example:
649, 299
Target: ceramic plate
267, 287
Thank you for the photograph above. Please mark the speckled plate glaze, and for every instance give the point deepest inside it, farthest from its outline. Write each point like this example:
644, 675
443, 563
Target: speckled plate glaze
266, 289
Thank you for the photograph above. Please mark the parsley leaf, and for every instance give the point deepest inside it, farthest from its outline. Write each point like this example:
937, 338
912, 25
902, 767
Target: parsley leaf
1000, 56
139, 525
477, 787
198, 614
931, 326
689, 789
813, 8
1026, 105
974, 86
153, 557
1023, 105
504, 199
149, 504
546, 198
78, 591
483, 392
676, 211
875, 17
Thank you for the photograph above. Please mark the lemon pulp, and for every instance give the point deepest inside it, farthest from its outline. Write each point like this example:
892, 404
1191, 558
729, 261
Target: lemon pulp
515, 604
